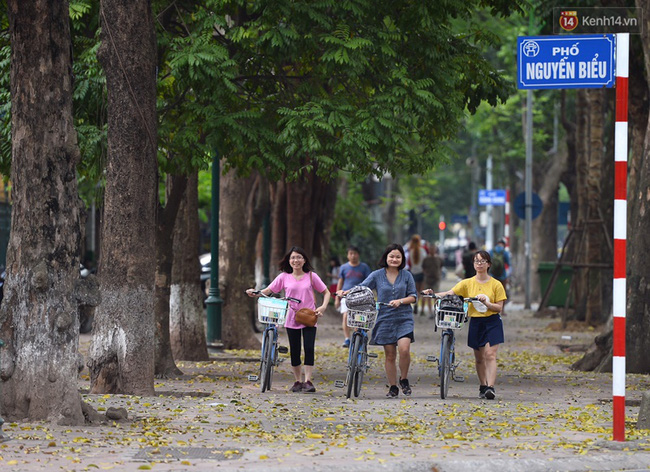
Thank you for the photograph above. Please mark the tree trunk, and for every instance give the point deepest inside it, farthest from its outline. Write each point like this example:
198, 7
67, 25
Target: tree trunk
637, 303
187, 331
278, 225
244, 201
164, 364
579, 282
638, 270
122, 349
594, 237
303, 213
544, 228
38, 319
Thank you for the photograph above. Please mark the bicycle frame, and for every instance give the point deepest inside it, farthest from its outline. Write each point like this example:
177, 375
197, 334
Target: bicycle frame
358, 352
357, 361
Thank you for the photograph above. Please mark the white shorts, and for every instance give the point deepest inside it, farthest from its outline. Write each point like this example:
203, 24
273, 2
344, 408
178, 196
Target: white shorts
343, 307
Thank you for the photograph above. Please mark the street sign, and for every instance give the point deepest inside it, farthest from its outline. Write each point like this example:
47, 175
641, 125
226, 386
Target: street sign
576, 61
519, 205
492, 197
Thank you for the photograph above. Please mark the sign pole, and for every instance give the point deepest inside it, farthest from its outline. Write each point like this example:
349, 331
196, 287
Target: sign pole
506, 229
620, 235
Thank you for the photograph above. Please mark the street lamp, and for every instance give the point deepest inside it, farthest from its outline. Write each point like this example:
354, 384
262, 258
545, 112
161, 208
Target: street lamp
214, 301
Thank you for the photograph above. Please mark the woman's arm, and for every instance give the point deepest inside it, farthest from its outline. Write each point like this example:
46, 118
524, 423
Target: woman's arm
265, 291
409, 288
429, 291
326, 300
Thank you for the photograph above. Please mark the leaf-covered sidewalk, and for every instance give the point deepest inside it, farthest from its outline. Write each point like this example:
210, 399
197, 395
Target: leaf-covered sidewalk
545, 417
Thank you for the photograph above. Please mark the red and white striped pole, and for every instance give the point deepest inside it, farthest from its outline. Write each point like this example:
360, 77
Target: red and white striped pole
506, 230
620, 234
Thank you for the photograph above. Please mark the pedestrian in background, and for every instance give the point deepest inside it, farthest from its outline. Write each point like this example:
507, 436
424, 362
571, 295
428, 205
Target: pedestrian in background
500, 268
432, 269
333, 274
394, 326
485, 329
468, 261
351, 273
298, 280
416, 254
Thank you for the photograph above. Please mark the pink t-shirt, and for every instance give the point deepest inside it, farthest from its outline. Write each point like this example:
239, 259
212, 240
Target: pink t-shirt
301, 289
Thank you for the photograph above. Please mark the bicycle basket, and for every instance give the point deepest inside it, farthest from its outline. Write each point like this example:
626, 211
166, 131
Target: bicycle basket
360, 298
272, 310
449, 315
362, 319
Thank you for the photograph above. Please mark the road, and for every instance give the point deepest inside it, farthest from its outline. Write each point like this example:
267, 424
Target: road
545, 418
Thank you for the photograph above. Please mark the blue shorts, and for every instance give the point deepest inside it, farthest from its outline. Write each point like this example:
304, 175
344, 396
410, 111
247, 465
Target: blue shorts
483, 330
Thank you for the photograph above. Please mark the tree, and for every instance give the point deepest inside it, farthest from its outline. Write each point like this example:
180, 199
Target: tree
166, 218
38, 318
638, 272
186, 299
122, 349
371, 88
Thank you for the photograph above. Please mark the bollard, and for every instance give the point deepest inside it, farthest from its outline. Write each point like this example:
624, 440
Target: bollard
3, 437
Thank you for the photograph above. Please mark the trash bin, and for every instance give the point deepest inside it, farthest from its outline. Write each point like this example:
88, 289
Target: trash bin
560, 291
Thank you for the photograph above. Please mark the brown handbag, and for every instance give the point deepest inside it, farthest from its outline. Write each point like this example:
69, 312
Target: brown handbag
306, 317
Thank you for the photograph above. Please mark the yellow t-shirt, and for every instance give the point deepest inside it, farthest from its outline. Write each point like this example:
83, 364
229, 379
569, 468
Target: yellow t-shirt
471, 287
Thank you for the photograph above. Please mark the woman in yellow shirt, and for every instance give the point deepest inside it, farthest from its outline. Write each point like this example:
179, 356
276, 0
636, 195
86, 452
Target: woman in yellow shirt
485, 329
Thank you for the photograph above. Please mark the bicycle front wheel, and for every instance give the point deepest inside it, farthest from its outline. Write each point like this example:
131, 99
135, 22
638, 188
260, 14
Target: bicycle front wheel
353, 364
445, 364
361, 350
266, 368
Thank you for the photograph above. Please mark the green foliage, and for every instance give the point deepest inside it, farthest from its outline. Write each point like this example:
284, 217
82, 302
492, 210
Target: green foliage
353, 225
364, 86
370, 87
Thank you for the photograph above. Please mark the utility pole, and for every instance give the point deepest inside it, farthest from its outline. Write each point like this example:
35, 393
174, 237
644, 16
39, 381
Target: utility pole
489, 231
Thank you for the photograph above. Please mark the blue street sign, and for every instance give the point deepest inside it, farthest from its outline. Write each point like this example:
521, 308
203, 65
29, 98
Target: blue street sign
492, 197
577, 61
519, 205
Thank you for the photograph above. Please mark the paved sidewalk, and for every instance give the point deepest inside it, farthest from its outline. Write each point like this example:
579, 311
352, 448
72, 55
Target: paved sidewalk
545, 418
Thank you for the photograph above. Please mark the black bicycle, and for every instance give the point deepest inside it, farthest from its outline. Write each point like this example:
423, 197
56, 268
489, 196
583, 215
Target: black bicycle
273, 313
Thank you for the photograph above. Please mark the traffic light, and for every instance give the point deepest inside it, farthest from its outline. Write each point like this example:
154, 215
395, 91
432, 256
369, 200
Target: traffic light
442, 225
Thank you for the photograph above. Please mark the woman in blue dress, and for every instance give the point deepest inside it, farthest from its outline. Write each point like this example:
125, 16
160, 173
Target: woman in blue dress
394, 327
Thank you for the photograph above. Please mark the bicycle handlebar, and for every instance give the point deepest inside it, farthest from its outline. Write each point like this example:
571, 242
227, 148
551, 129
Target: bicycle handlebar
433, 295
291, 299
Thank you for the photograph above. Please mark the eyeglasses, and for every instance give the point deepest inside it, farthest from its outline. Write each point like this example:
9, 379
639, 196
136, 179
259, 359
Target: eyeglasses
296, 258
479, 261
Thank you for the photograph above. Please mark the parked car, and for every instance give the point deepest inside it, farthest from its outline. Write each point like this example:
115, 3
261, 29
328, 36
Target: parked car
204, 260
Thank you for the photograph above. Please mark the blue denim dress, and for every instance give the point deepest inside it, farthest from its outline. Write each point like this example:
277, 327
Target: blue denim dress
392, 323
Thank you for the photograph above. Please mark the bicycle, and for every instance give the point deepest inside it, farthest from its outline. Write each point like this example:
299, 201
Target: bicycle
272, 312
449, 320
362, 322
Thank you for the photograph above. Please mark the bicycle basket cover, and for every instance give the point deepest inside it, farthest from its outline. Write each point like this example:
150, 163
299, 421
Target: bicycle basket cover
451, 303
360, 298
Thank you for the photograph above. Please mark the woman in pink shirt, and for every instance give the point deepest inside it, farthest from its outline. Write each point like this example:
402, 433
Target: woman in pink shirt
298, 280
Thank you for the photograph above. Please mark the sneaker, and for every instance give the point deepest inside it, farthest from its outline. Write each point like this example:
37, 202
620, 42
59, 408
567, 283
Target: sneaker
481, 391
308, 387
490, 394
346, 343
393, 391
406, 388
297, 387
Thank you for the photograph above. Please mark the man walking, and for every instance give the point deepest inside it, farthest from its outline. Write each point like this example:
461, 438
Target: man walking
351, 273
